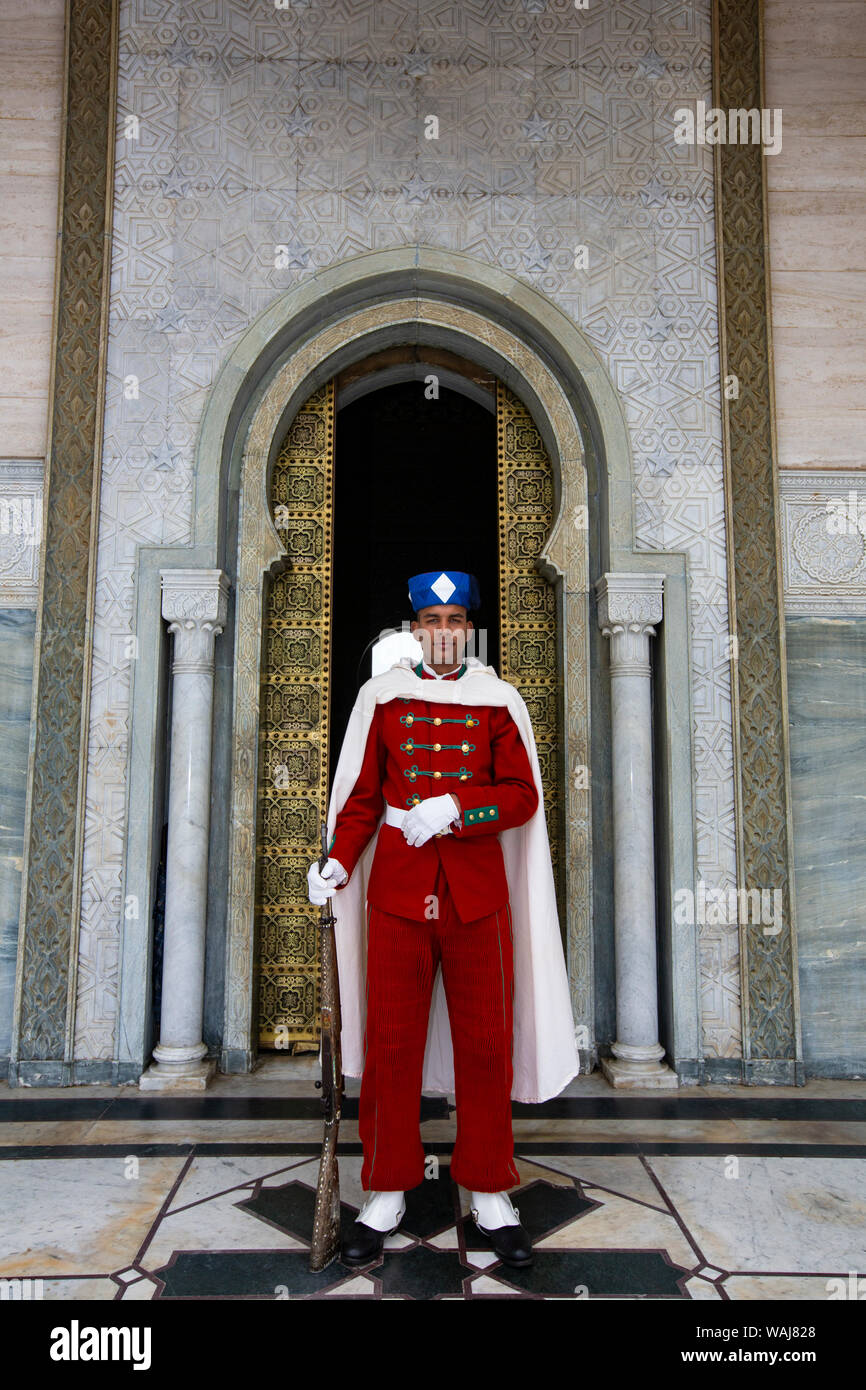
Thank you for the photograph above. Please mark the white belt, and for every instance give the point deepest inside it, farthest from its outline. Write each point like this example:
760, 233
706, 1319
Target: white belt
395, 815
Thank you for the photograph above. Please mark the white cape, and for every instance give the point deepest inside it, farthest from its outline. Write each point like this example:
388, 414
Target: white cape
545, 1055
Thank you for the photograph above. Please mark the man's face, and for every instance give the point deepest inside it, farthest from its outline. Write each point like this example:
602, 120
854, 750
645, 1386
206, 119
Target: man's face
442, 632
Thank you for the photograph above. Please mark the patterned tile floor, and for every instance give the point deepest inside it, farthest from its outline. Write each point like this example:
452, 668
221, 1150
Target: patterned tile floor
713, 1193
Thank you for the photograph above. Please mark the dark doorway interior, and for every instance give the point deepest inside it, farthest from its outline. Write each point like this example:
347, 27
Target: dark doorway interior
414, 490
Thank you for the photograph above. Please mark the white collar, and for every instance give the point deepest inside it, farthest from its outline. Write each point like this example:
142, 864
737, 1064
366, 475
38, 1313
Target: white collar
436, 673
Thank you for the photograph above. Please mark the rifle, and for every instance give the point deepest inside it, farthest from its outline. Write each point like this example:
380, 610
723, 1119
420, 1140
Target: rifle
325, 1244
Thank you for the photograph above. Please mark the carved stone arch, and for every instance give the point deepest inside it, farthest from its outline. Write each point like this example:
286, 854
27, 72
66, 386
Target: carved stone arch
261, 552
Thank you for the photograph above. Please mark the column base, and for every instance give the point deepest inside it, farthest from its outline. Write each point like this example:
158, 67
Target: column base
639, 1076
194, 1076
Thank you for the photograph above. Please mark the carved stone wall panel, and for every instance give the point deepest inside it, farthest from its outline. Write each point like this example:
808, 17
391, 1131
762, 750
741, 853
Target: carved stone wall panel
52, 894
21, 483
768, 972
823, 535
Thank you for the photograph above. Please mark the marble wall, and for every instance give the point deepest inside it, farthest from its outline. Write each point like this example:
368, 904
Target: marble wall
827, 695
31, 107
816, 73
815, 65
250, 127
17, 628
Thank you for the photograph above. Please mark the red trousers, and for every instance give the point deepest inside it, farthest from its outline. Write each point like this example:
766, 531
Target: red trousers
477, 973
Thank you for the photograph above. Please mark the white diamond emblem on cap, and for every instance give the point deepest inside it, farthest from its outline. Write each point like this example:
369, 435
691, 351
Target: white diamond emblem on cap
443, 587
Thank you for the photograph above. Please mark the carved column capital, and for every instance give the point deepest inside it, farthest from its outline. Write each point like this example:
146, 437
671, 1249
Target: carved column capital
195, 605
629, 606
632, 601
197, 596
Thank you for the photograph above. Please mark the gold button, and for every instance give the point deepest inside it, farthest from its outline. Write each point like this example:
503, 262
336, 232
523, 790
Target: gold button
481, 813
437, 747
410, 718
463, 776
437, 774
437, 720
464, 748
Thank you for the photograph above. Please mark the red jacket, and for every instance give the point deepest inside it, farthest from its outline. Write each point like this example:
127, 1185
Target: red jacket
489, 772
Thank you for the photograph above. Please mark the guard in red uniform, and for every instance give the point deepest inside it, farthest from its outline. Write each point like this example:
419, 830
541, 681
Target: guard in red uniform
449, 778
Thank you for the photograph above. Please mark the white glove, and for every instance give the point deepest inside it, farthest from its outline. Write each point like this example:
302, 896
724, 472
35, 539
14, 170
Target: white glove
428, 817
321, 883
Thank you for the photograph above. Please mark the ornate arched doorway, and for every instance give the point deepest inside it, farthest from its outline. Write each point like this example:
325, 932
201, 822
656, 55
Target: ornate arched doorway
474, 467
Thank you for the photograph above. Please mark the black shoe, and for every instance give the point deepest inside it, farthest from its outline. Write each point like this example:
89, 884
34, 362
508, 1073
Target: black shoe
363, 1244
511, 1243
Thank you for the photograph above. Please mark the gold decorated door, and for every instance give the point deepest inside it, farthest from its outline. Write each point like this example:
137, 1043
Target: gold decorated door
295, 692
528, 646
293, 729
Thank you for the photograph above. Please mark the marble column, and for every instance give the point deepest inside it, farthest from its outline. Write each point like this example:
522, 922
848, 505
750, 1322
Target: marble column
194, 603
628, 606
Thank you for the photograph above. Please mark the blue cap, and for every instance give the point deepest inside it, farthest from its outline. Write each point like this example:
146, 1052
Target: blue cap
443, 586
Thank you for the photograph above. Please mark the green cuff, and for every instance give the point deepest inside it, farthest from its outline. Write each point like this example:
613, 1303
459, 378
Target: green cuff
481, 813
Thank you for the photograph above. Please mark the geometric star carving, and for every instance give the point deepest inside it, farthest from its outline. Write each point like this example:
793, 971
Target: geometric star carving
298, 123
652, 65
164, 457
417, 63
535, 128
